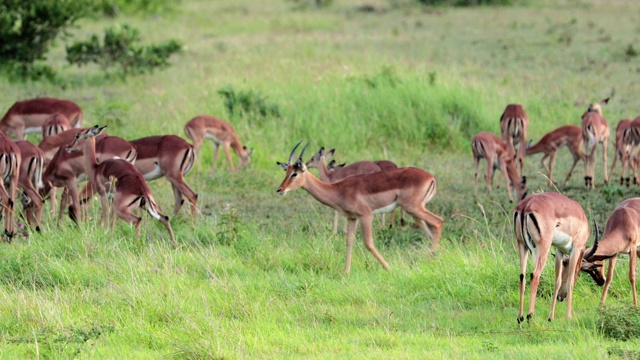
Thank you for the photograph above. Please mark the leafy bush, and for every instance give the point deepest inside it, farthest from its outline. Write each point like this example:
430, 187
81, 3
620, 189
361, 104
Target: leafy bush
619, 322
120, 48
27, 30
248, 103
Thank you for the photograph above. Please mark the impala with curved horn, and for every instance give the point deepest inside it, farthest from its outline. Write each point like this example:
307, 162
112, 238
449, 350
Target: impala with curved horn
360, 197
621, 236
542, 221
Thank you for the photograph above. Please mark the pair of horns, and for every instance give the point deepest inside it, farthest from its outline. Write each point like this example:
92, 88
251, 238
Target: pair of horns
292, 156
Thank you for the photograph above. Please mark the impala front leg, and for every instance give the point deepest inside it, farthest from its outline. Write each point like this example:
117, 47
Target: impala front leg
351, 234
557, 284
607, 282
632, 274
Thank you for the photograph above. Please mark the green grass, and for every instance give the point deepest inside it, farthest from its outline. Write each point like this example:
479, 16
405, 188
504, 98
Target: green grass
265, 280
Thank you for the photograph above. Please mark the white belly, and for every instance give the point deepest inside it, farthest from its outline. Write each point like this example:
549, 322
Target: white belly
386, 209
156, 173
33, 130
215, 139
562, 241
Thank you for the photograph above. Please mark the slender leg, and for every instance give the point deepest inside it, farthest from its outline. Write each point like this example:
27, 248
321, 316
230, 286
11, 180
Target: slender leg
365, 224
227, 152
632, 275
607, 282
557, 284
351, 234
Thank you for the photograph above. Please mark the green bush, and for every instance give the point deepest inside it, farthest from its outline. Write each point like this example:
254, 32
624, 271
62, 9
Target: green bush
120, 49
27, 30
116, 7
619, 322
248, 103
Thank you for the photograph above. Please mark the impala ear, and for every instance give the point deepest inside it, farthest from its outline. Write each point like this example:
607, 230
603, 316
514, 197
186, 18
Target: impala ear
330, 153
282, 165
250, 152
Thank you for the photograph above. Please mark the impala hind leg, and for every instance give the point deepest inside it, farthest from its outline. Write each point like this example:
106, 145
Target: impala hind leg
351, 234
632, 274
365, 224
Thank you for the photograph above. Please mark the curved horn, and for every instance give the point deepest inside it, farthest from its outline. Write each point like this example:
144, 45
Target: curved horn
302, 152
293, 152
595, 243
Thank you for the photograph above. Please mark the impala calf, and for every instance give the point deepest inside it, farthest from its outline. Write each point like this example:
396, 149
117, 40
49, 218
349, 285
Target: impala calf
221, 133
10, 161
542, 221
490, 147
30, 180
55, 124
621, 236
513, 128
360, 197
569, 136
595, 130
172, 157
28, 116
131, 191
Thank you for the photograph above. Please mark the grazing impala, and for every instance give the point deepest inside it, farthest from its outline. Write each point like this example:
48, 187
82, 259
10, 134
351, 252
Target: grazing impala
10, 161
169, 156
541, 221
624, 149
621, 236
632, 136
28, 116
360, 197
595, 130
55, 124
495, 151
66, 169
30, 180
209, 127
513, 127
131, 191
357, 168
549, 144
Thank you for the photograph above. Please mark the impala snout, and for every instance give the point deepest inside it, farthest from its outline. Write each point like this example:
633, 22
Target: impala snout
281, 191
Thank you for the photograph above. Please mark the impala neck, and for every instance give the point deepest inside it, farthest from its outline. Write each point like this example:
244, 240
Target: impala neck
323, 170
323, 192
613, 243
90, 159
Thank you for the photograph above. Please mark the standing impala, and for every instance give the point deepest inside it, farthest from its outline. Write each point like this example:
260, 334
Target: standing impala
595, 130
131, 191
30, 180
28, 116
357, 168
541, 221
621, 236
169, 156
632, 136
513, 127
360, 197
495, 151
55, 124
221, 133
549, 144
624, 149
10, 161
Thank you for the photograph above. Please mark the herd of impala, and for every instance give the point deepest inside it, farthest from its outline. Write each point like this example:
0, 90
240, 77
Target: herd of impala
69, 153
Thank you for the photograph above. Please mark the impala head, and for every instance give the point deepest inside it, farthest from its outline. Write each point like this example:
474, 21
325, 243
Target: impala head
295, 172
597, 107
82, 136
333, 165
518, 184
315, 160
591, 265
245, 156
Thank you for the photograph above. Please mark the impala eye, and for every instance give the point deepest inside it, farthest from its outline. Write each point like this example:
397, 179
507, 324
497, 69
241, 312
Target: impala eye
294, 175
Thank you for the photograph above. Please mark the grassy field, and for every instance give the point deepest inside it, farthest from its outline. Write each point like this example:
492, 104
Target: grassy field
260, 276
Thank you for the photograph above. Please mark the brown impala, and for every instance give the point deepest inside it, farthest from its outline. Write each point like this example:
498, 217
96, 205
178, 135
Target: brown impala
28, 116
360, 197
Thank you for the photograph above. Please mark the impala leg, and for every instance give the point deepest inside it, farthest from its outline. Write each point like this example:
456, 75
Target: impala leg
552, 160
216, 151
507, 180
524, 254
75, 198
520, 155
178, 200
227, 153
367, 234
632, 274
607, 282
556, 284
351, 234
336, 219
605, 143
7, 205
575, 162
64, 199
540, 262
544, 165
574, 258
613, 164
475, 178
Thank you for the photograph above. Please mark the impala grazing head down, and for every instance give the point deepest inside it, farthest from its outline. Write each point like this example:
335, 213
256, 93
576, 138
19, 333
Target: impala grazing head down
621, 236
542, 221
28, 116
513, 127
550, 143
10, 162
360, 197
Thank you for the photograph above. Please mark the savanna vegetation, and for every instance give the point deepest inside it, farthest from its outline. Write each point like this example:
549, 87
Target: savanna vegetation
259, 275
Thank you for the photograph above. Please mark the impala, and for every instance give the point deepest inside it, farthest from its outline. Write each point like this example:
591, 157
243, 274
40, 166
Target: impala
55, 124
131, 191
632, 136
28, 116
621, 236
360, 197
595, 130
10, 161
490, 147
550, 143
624, 149
541, 221
513, 127
51, 144
357, 168
169, 156
221, 133
67, 169
30, 180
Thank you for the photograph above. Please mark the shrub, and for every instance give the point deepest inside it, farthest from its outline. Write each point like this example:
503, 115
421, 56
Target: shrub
248, 103
120, 48
27, 30
619, 322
